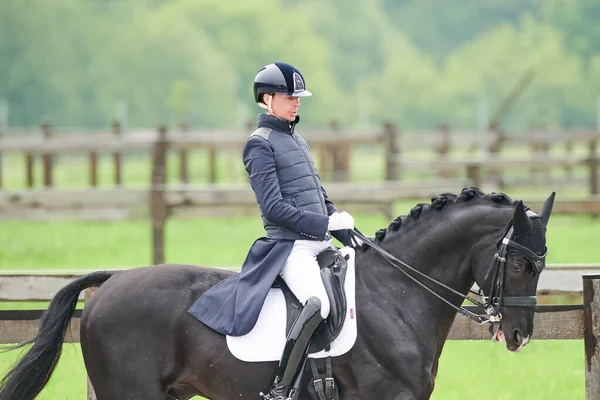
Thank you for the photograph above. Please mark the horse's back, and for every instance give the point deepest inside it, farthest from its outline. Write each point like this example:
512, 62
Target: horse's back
164, 277
163, 288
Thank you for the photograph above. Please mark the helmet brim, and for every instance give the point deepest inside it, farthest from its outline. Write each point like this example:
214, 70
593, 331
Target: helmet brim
299, 93
302, 93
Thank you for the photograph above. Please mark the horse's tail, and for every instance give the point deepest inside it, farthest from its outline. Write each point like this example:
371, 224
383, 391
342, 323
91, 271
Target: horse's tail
27, 378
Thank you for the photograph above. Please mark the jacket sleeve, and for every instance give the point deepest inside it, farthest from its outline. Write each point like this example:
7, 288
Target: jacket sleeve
330, 207
259, 160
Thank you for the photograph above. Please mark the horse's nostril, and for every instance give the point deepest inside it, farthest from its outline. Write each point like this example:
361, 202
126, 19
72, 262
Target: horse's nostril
518, 338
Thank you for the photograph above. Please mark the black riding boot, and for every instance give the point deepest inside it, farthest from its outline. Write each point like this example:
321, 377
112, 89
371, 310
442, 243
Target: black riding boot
296, 350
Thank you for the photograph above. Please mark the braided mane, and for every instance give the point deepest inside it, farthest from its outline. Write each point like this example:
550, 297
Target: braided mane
468, 193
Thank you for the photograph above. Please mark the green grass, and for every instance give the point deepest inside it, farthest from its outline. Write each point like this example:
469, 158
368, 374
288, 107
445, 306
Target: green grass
214, 241
468, 370
486, 371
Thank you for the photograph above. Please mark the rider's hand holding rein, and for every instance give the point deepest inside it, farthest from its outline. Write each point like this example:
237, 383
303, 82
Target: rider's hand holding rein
339, 221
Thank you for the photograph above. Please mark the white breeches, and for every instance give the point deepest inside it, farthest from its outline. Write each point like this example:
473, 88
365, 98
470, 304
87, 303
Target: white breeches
302, 274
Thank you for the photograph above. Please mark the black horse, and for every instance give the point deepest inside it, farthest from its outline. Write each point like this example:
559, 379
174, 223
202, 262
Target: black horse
139, 342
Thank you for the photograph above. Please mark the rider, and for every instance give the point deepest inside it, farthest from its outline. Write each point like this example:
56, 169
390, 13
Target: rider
298, 218
293, 205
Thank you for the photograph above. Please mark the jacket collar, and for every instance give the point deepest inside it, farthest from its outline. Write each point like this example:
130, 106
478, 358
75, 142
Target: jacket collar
275, 123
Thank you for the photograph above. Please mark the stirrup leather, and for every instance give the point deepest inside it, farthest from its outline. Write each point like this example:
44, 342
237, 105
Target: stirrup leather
323, 386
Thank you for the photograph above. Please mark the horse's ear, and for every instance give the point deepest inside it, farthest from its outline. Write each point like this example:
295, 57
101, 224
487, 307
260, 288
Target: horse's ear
521, 221
547, 209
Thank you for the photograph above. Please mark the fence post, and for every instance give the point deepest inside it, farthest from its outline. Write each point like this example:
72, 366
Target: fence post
158, 204
323, 165
593, 164
93, 168
444, 148
183, 156
340, 154
91, 393
2, 127
497, 141
391, 141
591, 335
47, 157
212, 163
29, 169
474, 175
116, 129
569, 153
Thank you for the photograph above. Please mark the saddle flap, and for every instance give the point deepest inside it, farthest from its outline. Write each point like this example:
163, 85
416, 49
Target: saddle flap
337, 311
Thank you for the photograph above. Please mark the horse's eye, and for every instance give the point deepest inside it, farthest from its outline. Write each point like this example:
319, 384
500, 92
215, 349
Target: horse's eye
518, 263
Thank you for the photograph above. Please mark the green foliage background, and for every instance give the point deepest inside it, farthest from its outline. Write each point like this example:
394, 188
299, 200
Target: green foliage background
415, 62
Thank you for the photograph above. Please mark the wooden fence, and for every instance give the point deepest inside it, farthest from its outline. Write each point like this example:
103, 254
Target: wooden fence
165, 199
550, 323
333, 146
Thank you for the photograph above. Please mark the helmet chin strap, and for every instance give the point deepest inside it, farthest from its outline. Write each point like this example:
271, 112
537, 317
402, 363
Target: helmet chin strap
268, 107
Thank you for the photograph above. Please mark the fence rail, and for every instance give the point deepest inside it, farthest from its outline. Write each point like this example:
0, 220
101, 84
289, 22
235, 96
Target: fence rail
333, 146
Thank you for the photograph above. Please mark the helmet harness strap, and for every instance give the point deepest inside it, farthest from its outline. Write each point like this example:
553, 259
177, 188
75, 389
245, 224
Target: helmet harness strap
268, 107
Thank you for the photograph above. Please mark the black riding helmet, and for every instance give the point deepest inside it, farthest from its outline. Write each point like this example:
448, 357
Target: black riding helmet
281, 78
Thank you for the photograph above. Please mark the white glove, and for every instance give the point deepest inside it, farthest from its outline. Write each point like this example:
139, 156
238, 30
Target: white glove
338, 221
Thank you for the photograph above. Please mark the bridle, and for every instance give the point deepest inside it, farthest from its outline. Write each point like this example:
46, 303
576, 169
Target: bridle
491, 303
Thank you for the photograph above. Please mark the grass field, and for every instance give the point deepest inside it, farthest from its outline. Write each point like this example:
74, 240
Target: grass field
468, 370
481, 370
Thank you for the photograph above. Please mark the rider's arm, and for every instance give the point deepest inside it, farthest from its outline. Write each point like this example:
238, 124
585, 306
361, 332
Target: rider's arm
342, 235
259, 160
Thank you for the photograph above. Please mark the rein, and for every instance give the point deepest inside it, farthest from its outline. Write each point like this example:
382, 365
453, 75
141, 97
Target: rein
494, 302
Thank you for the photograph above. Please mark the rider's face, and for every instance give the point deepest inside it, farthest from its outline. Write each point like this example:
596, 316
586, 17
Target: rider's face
285, 107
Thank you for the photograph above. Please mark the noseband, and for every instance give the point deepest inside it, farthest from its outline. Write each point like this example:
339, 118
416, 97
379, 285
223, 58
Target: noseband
492, 303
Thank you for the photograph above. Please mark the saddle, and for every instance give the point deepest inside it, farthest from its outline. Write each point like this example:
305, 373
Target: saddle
333, 273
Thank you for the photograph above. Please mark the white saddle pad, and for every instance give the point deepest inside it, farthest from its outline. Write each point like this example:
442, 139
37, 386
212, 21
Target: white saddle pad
265, 342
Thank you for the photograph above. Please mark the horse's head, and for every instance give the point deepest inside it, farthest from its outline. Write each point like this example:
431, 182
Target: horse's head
510, 283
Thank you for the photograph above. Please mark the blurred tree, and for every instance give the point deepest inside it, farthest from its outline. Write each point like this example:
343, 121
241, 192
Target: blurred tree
356, 30
33, 49
419, 63
439, 27
406, 90
179, 100
253, 34
579, 22
492, 65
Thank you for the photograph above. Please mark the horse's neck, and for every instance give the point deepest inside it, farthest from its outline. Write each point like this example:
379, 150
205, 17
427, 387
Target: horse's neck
441, 250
